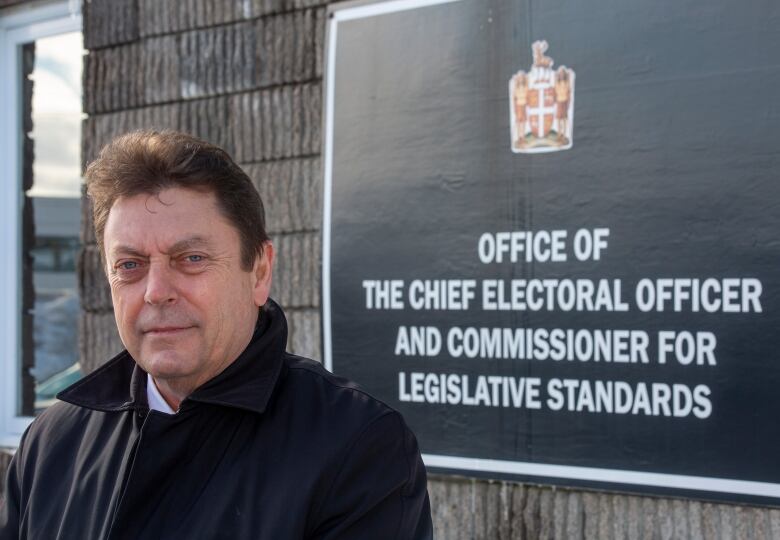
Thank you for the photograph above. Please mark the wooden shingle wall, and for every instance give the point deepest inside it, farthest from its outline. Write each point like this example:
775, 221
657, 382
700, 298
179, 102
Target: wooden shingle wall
246, 75
470, 509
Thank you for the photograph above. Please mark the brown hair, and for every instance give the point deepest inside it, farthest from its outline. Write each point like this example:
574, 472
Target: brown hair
147, 162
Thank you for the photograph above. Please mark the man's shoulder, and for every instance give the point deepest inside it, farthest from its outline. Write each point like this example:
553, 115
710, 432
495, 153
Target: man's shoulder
316, 373
55, 426
305, 371
339, 393
60, 416
372, 481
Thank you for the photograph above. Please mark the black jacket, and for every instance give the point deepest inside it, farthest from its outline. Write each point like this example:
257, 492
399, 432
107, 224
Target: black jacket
274, 447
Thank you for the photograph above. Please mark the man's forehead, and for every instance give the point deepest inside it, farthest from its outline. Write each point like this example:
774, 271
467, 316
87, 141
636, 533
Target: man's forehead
173, 219
172, 203
167, 197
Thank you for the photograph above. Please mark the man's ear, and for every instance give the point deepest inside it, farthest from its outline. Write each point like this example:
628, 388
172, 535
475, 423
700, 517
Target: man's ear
262, 271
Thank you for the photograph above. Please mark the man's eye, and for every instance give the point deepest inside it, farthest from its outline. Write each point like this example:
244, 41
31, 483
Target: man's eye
127, 265
194, 258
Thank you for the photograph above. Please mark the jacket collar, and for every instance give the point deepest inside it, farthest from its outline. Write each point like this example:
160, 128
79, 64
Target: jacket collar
247, 383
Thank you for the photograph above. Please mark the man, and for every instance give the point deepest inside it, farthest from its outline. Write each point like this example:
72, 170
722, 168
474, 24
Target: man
205, 427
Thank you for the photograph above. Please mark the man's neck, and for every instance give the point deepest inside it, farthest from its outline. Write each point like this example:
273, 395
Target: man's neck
173, 393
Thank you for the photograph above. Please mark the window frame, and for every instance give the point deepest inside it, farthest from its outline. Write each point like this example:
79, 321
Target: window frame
19, 26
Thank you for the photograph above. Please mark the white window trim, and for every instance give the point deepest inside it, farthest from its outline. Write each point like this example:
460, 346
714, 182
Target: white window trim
22, 25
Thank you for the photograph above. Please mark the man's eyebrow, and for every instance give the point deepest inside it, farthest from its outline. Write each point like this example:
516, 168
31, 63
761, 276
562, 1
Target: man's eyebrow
126, 250
193, 242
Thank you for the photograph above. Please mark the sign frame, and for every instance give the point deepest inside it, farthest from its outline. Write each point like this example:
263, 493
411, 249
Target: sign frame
620, 480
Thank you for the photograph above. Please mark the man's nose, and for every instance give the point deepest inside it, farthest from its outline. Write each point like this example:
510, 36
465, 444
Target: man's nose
160, 285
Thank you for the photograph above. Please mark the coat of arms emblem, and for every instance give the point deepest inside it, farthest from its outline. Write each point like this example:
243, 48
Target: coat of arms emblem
542, 105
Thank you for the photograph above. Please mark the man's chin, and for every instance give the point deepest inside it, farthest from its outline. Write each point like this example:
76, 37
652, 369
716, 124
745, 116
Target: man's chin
166, 365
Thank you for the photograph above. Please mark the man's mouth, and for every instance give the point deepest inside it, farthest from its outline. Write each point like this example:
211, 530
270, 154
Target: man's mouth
166, 330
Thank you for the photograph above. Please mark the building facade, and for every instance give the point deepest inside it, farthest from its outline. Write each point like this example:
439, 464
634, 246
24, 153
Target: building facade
247, 76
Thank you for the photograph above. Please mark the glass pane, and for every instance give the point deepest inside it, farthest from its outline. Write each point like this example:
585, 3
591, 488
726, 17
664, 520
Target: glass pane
50, 229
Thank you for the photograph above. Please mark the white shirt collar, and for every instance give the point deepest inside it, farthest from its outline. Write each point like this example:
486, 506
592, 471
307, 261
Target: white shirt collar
154, 397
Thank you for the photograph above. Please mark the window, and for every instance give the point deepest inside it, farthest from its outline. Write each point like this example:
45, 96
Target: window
41, 56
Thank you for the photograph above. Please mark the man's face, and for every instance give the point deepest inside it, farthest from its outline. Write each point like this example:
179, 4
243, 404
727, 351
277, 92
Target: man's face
184, 306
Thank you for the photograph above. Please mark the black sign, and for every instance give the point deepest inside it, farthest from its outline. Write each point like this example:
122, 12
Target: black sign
552, 237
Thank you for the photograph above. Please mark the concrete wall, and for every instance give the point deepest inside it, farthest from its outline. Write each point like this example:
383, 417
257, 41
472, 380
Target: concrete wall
246, 74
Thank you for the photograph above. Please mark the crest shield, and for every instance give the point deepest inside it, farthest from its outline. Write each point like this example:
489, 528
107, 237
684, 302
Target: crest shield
541, 105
